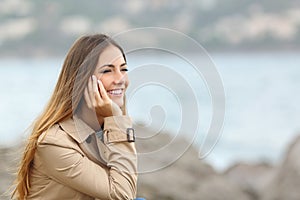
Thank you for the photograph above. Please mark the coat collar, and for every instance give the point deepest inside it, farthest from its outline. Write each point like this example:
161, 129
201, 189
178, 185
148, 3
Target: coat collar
80, 132
76, 128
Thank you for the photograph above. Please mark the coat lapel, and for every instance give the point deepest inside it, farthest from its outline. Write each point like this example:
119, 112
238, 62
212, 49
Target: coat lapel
86, 138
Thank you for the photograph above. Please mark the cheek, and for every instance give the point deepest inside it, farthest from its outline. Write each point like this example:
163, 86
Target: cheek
105, 82
103, 79
126, 81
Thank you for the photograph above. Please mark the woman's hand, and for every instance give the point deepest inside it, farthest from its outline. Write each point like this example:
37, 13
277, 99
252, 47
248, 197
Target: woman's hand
97, 99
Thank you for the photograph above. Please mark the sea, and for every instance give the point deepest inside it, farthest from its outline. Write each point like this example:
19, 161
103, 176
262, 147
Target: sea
256, 96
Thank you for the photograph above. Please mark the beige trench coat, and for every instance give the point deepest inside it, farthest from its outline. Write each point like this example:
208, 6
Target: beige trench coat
72, 162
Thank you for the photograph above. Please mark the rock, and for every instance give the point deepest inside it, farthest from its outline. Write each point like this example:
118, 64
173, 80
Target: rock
251, 178
286, 182
186, 178
9, 157
219, 188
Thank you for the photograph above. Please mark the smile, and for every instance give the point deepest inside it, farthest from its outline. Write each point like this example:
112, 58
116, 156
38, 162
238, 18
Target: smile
115, 92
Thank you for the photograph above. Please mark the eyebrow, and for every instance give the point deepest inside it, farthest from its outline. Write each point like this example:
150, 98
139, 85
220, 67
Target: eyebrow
111, 65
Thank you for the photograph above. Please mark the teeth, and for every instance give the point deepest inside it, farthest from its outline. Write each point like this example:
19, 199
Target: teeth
115, 92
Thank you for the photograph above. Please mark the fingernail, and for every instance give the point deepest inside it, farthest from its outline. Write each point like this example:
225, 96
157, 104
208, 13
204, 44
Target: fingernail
99, 81
93, 77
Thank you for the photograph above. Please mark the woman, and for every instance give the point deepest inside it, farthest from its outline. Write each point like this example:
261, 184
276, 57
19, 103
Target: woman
82, 145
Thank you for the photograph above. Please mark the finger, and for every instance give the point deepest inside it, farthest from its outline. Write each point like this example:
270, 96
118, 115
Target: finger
102, 91
87, 98
91, 92
96, 90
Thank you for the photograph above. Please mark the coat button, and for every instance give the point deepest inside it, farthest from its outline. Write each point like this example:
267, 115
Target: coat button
89, 139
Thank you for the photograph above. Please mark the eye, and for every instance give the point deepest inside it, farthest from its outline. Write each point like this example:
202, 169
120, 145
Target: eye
105, 71
124, 70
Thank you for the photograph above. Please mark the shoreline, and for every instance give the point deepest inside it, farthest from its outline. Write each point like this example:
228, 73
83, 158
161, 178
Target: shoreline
61, 56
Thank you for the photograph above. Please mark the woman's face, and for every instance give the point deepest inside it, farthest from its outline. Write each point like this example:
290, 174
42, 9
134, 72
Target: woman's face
112, 71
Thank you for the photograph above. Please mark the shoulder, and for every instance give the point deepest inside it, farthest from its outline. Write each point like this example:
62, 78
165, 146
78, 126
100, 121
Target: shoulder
56, 136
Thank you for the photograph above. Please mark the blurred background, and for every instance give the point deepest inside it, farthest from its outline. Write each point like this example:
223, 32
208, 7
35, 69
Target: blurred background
254, 44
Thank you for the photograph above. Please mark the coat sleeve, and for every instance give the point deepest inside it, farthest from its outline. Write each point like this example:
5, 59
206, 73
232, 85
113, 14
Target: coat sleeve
68, 166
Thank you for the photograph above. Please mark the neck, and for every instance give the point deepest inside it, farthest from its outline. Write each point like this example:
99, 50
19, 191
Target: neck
90, 117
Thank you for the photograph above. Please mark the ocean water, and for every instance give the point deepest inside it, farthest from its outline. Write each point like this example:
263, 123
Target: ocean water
262, 100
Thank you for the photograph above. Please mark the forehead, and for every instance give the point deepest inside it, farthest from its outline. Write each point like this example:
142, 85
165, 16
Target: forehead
111, 54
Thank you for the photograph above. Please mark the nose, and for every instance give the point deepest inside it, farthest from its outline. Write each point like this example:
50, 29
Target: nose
119, 77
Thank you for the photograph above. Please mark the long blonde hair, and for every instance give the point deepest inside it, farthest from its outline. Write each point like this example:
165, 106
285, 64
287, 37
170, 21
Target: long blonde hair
67, 96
